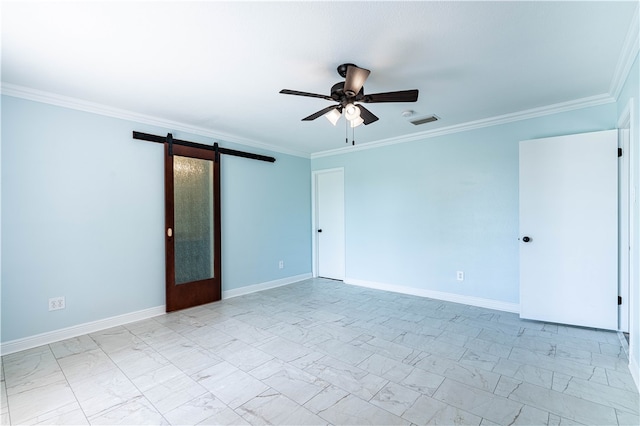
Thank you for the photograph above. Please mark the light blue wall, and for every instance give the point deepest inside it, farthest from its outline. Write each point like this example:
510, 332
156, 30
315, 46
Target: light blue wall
266, 213
418, 212
631, 90
83, 217
83, 212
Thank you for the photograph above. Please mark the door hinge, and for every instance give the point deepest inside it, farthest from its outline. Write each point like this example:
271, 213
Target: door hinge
619, 300
619, 152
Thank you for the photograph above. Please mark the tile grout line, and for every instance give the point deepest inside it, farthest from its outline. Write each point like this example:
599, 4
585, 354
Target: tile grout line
69, 384
125, 375
6, 393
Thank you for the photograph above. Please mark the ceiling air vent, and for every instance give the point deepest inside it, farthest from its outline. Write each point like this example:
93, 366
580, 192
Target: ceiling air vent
424, 120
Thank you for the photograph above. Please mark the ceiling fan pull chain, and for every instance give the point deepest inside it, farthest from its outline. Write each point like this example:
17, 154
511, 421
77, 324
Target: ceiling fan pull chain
353, 136
346, 131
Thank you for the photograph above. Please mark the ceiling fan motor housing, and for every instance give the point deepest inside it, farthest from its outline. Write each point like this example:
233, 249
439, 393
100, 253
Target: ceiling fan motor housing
339, 95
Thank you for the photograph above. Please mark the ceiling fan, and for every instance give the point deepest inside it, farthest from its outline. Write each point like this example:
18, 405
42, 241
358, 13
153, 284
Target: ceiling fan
349, 95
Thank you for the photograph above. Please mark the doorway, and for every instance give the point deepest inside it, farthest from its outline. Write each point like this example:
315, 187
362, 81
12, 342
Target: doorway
329, 224
192, 231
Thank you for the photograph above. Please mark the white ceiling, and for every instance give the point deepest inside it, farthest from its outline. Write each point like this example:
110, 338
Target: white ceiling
217, 67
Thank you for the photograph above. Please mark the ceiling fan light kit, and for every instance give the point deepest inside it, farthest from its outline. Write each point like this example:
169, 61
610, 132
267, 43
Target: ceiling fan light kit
350, 96
356, 122
333, 116
351, 112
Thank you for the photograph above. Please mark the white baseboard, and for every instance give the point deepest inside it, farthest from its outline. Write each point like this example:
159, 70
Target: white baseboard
264, 286
18, 345
439, 295
25, 343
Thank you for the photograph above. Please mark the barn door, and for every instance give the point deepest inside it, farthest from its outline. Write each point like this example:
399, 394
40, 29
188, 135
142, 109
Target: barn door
192, 216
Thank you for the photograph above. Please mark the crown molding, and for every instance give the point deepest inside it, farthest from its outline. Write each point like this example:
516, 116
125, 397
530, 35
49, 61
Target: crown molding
100, 109
628, 55
30, 94
477, 124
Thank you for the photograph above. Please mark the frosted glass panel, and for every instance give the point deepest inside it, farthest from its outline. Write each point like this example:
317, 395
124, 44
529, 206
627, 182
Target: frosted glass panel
193, 219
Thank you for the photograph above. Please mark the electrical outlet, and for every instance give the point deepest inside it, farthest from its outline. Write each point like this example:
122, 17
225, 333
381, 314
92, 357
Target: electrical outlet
56, 303
281, 264
460, 276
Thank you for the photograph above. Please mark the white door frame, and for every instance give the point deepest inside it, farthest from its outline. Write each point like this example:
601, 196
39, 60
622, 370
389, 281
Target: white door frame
625, 225
314, 215
627, 120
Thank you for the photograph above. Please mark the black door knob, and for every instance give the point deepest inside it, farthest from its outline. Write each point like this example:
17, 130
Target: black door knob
319, 230
526, 239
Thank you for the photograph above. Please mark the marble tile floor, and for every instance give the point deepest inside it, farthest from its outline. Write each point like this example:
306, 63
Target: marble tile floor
323, 352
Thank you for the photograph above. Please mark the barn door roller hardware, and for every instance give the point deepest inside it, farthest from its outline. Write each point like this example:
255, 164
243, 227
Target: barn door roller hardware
219, 150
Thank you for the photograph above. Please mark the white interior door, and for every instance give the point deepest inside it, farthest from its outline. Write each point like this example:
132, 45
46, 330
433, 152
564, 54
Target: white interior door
568, 229
330, 224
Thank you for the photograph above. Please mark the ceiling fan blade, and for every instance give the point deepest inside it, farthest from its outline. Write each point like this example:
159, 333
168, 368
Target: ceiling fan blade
320, 113
400, 96
311, 95
367, 115
355, 79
